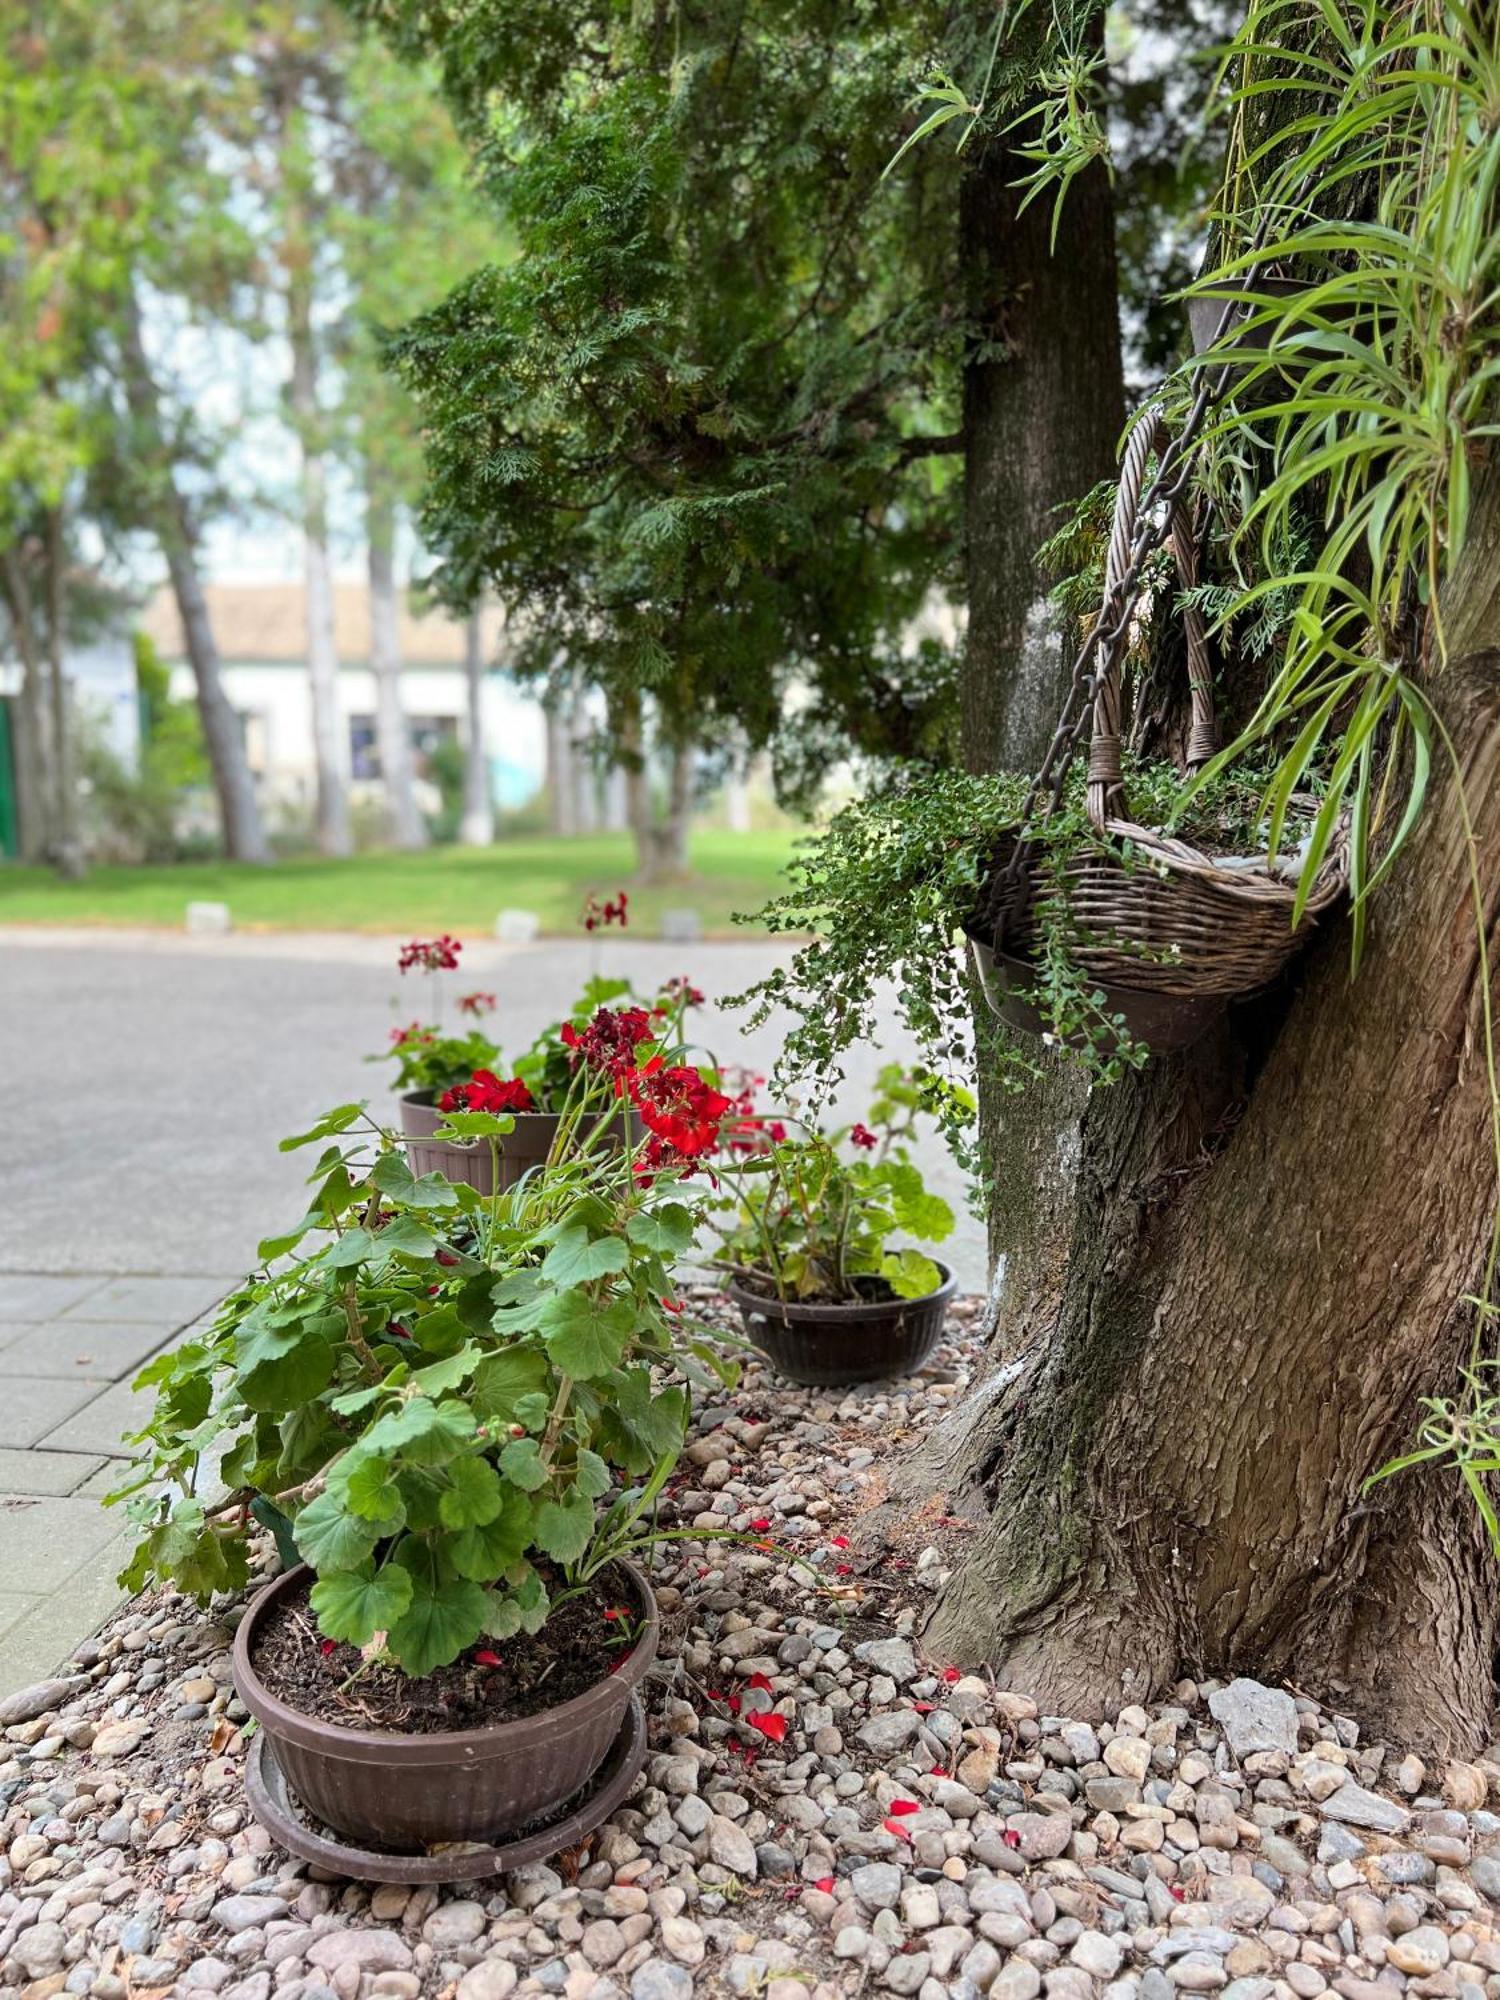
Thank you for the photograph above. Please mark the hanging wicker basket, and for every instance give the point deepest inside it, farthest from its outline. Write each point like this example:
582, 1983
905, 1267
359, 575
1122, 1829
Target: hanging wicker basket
1149, 916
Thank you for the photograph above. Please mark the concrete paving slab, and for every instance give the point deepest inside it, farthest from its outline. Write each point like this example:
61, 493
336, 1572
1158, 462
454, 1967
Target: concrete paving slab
104, 1479
43, 1541
43, 1637
99, 1425
47, 1472
38, 1295
33, 1406
152, 1301
81, 1350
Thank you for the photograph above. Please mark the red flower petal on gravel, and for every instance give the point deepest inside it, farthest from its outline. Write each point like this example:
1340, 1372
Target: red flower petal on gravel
922, 1707
326, 1646
839, 1542
761, 1523
733, 1704
901, 1807
894, 1826
951, 1674
483, 1657
1011, 1837
825, 1883
761, 1681
770, 1724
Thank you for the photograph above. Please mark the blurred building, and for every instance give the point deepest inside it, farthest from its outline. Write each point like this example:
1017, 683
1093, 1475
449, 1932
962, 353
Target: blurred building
260, 631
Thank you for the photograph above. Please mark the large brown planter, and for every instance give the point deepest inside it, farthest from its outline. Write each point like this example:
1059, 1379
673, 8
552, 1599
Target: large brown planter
404, 1791
830, 1347
527, 1147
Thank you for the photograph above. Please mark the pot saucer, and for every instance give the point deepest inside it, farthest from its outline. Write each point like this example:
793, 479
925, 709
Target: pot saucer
276, 1807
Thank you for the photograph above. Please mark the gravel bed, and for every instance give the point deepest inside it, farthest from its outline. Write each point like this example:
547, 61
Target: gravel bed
914, 1831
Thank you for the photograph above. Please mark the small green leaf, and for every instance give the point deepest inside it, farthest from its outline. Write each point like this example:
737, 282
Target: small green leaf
328, 1126
484, 1553
591, 1474
585, 1338
425, 1433
364, 1482
576, 1260
564, 1528
356, 1604
446, 1613
332, 1538
502, 1378
521, 1462
440, 1376
668, 1230
472, 1498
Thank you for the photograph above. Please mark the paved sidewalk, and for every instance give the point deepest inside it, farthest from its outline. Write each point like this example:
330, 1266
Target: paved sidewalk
69, 1348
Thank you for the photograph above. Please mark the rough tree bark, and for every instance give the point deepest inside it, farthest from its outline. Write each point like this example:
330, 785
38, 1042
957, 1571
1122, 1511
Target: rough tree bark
177, 533
1275, 1233
1044, 404
477, 828
405, 826
36, 787
661, 840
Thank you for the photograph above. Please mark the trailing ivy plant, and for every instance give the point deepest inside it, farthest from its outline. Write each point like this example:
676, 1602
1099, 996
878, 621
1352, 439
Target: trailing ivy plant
891, 885
456, 1408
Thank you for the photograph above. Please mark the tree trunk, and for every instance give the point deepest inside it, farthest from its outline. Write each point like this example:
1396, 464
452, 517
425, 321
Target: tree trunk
1044, 404
36, 785
329, 744
1275, 1233
176, 531
477, 828
405, 826
561, 816
67, 847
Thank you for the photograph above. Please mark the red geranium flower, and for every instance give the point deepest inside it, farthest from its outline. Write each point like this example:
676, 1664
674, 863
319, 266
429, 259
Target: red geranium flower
485, 1092
683, 993
598, 916
476, 1003
430, 955
863, 1136
610, 1040
413, 1035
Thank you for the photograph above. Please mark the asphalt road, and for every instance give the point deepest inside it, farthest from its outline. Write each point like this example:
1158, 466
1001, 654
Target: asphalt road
147, 1076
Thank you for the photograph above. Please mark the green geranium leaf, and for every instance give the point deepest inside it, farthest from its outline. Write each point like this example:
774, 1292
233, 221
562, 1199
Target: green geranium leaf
394, 1177
667, 1230
281, 1366
330, 1537
364, 1483
328, 1127
272, 1247
440, 1376
424, 1432
591, 1474
487, 1552
521, 1462
355, 1246
585, 1338
909, 1274
576, 1260
446, 1614
357, 1604
405, 1237
564, 1528
472, 1498
503, 1619
501, 1379
463, 1125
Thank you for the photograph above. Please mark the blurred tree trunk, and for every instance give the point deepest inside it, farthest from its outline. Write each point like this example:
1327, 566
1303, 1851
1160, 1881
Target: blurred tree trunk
176, 532
478, 826
561, 816
36, 785
67, 847
405, 826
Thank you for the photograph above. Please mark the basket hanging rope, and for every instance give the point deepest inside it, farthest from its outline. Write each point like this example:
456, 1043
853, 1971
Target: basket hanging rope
1147, 913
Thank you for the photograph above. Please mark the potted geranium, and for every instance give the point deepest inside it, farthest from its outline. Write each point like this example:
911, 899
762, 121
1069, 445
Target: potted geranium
812, 1226
454, 1412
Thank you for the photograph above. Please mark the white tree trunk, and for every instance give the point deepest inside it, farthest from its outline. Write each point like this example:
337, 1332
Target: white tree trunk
405, 826
560, 803
477, 827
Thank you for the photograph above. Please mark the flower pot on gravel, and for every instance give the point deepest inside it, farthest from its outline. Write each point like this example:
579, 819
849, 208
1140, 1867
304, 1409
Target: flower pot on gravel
526, 1147
405, 1791
834, 1346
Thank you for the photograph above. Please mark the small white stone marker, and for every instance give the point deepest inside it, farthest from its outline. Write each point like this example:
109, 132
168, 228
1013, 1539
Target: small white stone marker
681, 926
518, 926
208, 920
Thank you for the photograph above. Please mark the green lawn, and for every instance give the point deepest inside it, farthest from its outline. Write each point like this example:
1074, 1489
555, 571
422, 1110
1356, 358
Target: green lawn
455, 888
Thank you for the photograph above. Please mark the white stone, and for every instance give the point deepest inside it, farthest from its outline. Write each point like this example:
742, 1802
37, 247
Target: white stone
207, 920
518, 927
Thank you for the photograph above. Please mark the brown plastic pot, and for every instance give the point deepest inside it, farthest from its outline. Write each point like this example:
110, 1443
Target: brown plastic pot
831, 1347
388, 1789
1160, 1020
526, 1147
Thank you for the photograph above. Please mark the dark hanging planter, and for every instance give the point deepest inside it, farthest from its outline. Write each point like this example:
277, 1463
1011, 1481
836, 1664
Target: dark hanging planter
1161, 1020
402, 1794
833, 1346
526, 1147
